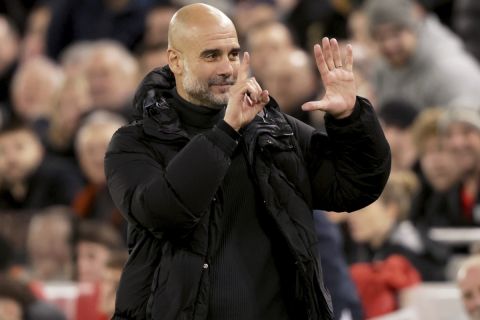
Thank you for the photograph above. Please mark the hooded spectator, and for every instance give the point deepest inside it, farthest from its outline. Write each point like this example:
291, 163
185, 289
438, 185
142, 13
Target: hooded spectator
423, 62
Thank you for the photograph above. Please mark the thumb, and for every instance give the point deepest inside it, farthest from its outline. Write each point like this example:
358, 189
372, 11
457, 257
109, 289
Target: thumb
244, 70
314, 105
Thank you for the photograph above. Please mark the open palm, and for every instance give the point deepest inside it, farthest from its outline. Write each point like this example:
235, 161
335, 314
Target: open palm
338, 80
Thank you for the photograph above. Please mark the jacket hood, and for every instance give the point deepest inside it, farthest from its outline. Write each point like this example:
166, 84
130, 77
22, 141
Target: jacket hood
156, 81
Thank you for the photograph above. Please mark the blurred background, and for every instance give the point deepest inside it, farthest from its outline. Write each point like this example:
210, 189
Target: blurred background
68, 72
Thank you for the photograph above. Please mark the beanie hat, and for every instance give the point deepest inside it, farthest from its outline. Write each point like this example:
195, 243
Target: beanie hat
397, 12
466, 115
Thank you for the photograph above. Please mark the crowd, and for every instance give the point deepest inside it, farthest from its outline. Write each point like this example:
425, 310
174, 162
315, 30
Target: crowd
68, 75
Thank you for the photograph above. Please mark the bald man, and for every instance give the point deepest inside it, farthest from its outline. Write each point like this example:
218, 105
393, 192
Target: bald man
218, 185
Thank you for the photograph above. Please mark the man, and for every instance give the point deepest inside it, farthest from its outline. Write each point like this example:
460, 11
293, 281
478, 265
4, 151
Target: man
424, 62
30, 178
112, 74
218, 185
468, 281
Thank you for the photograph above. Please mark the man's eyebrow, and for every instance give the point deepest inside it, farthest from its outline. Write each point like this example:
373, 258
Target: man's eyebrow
209, 52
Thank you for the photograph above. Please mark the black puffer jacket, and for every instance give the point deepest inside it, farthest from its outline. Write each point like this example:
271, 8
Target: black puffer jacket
168, 186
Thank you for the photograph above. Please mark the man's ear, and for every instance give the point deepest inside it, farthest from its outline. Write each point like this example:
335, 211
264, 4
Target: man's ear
175, 61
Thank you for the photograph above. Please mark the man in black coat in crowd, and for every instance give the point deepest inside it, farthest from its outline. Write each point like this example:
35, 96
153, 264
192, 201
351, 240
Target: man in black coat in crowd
218, 186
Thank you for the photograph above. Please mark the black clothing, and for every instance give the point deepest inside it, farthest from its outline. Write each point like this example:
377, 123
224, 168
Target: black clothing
54, 182
74, 21
244, 245
170, 186
338, 281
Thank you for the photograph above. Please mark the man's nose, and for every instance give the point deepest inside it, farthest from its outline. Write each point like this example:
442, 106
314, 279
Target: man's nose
225, 67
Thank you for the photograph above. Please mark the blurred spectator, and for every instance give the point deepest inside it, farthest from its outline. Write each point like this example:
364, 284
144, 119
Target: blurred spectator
156, 24
74, 58
17, 302
35, 37
468, 280
121, 20
49, 245
14, 299
461, 129
74, 101
110, 282
248, 14
93, 137
264, 41
32, 180
35, 88
95, 244
9, 51
467, 24
396, 118
112, 74
439, 170
312, 20
329, 248
151, 57
290, 77
424, 62
382, 229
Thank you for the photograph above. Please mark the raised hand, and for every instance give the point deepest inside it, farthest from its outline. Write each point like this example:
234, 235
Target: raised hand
246, 97
338, 80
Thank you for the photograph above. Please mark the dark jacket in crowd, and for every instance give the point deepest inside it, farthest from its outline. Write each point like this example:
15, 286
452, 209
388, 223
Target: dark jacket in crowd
444, 209
92, 20
170, 187
338, 281
54, 182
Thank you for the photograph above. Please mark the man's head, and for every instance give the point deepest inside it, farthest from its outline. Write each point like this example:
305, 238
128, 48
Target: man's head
468, 281
21, 152
203, 53
461, 130
393, 25
92, 141
291, 79
112, 73
48, 244
265, 41
437, 163
35, 87
95, 244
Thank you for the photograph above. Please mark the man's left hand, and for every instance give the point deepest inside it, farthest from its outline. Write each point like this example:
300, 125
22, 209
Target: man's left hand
338, 80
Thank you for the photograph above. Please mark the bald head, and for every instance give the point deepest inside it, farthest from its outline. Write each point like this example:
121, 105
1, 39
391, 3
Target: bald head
203, 54
193, 19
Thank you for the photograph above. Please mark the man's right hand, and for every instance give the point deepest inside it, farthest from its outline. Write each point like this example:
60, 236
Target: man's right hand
246, 97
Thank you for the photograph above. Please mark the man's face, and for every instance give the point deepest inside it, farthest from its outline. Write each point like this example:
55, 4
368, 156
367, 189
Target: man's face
210, 66
92, 259
438, 164
92, 146
469, 286
396, 44
463, 141
20, 154
10, 309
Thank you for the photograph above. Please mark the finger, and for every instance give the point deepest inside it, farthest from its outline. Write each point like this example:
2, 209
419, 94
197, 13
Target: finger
349, 58
244, 70
314, 105
256, 87
255, 83
337, 59
265, 98
327, 53
320, 60
252, 92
